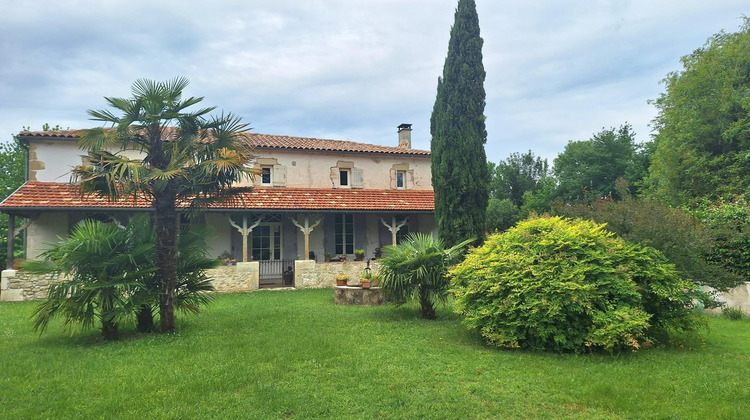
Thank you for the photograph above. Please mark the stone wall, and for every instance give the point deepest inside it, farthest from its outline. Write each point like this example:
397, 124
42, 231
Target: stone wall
739, 297
309, 275
242, 277
17, 286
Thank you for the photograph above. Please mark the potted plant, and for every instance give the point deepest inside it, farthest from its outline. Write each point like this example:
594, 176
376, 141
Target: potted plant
226, 258
342, 280
359, 254
366, 279
375, 279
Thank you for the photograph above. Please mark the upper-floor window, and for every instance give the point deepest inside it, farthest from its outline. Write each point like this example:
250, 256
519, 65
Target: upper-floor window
400, 180
344, 177
272, 174
401, 176
266, 175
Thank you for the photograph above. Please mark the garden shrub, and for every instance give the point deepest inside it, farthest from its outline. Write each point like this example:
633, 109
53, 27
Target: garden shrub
569, 285
681, 237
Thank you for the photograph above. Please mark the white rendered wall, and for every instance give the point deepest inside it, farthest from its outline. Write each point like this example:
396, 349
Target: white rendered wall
45, 229
314, 169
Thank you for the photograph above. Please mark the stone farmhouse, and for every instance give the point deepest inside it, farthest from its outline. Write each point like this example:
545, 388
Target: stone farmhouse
315, 199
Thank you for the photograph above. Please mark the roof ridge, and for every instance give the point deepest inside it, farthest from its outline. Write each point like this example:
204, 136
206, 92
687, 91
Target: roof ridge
276, 141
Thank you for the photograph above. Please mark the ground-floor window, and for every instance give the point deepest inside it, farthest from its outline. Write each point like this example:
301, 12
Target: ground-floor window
344, 234
266, 242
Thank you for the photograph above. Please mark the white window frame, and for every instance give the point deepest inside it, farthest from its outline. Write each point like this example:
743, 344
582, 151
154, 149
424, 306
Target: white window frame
403, 180
348, 173
265, 168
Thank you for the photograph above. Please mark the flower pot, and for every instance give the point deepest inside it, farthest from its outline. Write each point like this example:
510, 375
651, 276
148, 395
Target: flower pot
340, 282
365, 284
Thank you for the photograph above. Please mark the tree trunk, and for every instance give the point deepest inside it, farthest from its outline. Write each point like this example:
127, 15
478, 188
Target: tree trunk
144, 319
165, 227
109, 330
428, 311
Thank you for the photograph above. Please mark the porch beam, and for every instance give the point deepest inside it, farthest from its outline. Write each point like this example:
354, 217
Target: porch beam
306, 230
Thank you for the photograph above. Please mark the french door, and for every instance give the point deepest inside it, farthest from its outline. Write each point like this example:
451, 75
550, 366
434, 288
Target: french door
266, 242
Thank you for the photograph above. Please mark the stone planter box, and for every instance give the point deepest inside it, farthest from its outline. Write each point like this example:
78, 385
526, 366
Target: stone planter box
354, 295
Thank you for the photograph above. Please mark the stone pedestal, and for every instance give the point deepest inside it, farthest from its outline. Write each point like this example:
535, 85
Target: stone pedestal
351, 295
250, 271
10, 292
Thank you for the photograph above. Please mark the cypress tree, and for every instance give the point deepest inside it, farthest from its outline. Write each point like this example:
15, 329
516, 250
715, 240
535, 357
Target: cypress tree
460, 177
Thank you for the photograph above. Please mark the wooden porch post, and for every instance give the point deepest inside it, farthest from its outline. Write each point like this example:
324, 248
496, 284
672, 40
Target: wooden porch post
11, 237
393, 227
245, 230
306, 230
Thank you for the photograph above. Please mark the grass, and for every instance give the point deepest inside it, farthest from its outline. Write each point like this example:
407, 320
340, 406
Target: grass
297, 355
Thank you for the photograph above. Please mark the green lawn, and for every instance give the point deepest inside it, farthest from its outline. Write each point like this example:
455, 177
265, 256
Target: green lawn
297, 355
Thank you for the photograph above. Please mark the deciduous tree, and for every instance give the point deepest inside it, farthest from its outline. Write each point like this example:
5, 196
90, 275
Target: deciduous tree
591, 167
703, 126
520, 172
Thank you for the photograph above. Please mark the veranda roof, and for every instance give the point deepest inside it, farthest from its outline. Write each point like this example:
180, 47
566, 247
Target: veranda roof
36, 196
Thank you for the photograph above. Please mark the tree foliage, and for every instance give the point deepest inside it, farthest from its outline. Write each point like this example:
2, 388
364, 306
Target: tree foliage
459, 164
681, 237
514, 176
703, 123
190, 156
102, 269
502, 214
12, 176
728, 222
108, 274
416, 269
569, 285
591, 167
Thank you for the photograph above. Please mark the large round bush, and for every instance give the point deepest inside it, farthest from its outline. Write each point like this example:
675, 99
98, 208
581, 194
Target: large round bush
569, 285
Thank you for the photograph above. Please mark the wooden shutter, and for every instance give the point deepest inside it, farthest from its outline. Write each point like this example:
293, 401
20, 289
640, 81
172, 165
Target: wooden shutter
357, 180
279, 176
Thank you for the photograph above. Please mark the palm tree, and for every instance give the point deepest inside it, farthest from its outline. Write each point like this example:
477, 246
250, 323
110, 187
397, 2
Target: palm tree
189, 157
102, 268
192, 281
417, 269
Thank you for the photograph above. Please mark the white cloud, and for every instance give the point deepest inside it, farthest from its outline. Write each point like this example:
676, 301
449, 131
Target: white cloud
556, 71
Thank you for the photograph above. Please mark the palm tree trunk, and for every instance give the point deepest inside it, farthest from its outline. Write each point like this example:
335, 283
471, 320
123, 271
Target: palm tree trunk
428, 310
144, 319
165, 226
109, 330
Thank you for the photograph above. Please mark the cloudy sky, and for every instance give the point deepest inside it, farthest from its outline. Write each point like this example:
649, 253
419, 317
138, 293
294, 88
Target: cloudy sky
354, 70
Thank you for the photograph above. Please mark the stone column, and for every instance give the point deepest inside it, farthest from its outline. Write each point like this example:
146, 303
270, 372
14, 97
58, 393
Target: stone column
250, 271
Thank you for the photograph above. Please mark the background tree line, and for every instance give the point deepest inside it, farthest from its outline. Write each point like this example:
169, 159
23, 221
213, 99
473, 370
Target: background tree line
683, 192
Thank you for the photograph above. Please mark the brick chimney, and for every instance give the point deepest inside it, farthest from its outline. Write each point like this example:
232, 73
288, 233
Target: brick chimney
404, 136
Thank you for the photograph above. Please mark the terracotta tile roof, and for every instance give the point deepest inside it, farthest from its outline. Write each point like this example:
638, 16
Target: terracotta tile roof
268, 141
54, 195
